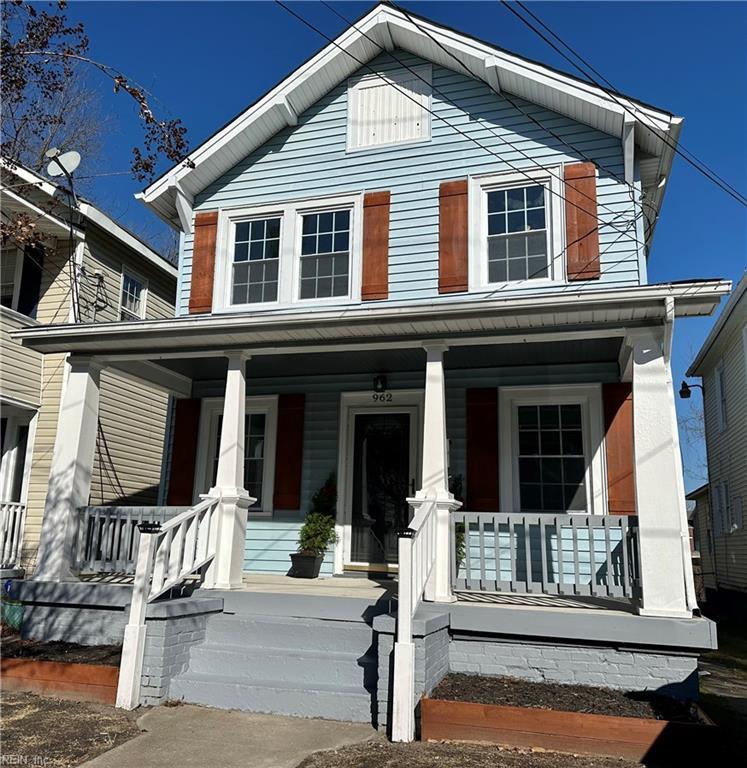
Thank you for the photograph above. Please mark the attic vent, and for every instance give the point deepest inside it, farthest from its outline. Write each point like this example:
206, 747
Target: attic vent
391, 108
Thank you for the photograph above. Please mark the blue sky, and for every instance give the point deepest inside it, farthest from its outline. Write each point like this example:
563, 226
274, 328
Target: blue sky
206, 61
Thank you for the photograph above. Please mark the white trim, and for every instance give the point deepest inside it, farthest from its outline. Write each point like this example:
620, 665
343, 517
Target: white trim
290, 213
479, 186
211, 410
352, 403
589, 397
20, 255
133, 275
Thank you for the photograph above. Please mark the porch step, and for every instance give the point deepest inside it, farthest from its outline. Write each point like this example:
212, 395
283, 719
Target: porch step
290, 666
329, 702
278, 632
249, 664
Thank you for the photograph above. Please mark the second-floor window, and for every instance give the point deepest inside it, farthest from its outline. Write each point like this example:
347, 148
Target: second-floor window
307, 251
132, 305
20, 279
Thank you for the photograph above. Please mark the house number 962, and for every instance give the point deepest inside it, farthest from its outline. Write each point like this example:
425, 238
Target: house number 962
382, 397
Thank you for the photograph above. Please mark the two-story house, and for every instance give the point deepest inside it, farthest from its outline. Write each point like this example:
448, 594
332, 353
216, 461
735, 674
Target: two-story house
721, 528
71, 265
418, 263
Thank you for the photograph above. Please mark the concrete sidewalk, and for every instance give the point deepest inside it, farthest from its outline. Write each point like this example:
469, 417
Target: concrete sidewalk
199, 737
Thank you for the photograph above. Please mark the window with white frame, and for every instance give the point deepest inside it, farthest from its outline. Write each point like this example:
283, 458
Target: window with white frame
515, 228
132, 304
306, 251
389, 108
254, 455
10, 277
550, 448
720, 397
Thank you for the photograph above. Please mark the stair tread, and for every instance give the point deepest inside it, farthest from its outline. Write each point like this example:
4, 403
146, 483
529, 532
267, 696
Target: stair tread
204, 677
264, 650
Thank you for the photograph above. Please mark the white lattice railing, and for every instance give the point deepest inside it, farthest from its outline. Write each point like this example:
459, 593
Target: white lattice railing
417, 557
12, 521
167, 555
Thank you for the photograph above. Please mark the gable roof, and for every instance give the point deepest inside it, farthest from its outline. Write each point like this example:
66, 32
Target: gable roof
697, 368
173, 192
86, 209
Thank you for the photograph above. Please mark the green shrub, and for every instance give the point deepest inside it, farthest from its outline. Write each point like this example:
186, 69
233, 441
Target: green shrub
316, 534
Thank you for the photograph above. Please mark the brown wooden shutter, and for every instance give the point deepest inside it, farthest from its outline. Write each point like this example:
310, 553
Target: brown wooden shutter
618, 426
452, 237
482, 450
203, 263
289, 452
184, 433
582, 233
375, 284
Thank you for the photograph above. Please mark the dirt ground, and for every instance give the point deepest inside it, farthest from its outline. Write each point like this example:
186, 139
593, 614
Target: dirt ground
569, 698
15, 648
38, 730
381, 754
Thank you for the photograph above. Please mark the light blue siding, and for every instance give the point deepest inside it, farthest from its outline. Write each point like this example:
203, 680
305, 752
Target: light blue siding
310, 160
269, 544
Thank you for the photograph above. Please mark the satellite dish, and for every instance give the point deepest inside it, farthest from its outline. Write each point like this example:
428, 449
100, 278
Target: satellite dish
63, 164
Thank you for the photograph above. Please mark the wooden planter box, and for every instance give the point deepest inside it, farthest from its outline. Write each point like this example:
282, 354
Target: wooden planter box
80, 682
575, 732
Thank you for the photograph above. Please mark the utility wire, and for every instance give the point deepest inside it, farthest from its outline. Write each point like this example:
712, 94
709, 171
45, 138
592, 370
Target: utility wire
686, 154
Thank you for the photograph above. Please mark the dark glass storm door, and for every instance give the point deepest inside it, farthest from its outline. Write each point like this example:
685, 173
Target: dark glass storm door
383, 478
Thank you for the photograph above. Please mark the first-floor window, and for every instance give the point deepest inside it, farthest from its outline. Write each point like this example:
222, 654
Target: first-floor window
133, 298
551, 458
325, 254
254, 455
256, 254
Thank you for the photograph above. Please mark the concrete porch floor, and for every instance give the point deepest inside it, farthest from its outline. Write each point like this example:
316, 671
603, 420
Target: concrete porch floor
332, 586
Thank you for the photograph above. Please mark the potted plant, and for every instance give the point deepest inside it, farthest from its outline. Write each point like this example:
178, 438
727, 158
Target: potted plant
317, 533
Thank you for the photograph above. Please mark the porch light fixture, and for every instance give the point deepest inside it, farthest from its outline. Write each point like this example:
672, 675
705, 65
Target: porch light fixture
379, 383
686, 389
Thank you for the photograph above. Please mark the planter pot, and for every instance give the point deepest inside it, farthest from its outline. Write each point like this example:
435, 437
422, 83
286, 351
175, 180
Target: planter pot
305, 566
574, 732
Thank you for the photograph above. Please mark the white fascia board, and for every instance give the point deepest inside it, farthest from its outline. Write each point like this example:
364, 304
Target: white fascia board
385, 24
115, 230
707, 294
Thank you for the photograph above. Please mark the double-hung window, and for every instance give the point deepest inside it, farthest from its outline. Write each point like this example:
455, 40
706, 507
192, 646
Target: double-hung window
132, 302
516, 233
297, 252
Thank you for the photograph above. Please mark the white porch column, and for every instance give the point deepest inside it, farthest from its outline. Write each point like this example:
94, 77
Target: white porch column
225, 571
660, 494
435, 471
70, 473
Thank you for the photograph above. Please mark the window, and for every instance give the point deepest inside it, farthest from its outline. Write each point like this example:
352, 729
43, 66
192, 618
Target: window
133, 298
254, 455
325, 254
391, 108
9, 279
20, 279
549, 460
721, 397
307, 251
256, 255
516, 226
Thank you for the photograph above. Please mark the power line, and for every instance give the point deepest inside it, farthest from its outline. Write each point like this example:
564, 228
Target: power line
694, 161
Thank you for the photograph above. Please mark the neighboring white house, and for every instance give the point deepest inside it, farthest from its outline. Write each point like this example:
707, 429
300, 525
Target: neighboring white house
418, 263
719, 517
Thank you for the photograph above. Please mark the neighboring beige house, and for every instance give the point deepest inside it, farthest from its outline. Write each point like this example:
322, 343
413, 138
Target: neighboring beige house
721, 526
86, 270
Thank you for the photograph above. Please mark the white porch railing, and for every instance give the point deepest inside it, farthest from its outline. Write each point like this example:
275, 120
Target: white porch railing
12, 522
184, 545
107, 538
574, 555
417, 557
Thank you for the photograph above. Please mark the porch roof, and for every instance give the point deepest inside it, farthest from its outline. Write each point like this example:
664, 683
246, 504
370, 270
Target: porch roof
406, 324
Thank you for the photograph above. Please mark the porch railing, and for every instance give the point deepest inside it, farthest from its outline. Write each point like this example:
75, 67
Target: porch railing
184, 545
108, 537
12, 522
579, 555
417, 557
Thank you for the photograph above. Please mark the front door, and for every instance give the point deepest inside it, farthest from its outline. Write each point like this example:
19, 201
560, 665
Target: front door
383, 476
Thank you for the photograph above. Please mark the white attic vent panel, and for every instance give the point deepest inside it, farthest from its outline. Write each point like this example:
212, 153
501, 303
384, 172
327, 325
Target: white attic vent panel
391, 108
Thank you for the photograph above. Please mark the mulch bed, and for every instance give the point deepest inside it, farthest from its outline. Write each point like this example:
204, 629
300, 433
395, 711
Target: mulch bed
567, 698
15, 648
381, 754
38, 730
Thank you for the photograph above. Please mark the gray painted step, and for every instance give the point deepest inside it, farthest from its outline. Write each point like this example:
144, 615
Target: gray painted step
288, 633
306, 668
330, 702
